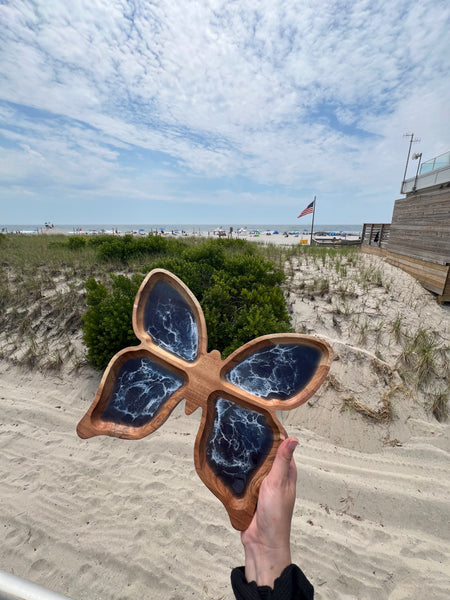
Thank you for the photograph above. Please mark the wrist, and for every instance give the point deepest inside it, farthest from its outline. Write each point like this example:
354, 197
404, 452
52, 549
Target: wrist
265, 564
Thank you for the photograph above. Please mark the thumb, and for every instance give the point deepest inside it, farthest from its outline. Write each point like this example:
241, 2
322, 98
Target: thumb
283, 459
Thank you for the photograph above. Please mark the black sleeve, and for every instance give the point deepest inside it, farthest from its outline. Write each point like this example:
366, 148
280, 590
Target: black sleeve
290, 585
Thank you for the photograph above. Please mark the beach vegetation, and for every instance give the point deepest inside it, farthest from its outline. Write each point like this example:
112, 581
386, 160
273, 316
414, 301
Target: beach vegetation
320, 286
378, 329
76, 242
55, 362
107, 323
396, 327
363, 330
239, 290
382, 414
419, 356
439, 405
346, 308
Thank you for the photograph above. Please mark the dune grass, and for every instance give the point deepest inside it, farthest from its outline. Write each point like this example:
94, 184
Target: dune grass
43, 287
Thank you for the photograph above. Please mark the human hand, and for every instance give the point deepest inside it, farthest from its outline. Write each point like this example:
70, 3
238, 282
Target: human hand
267, 539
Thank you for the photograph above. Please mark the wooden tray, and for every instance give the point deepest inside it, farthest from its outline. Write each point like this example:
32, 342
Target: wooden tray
239, 432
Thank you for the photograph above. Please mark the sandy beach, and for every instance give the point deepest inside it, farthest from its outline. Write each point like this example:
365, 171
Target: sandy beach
279, 239
123, 520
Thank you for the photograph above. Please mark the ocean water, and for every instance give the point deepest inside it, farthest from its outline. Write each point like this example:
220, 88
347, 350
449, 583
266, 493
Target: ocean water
189, 229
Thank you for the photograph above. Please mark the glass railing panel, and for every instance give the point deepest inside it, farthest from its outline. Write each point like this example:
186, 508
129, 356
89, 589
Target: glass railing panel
426, 168
443, 160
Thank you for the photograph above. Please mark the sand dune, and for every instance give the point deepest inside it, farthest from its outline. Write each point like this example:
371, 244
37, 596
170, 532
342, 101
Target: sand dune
114, 519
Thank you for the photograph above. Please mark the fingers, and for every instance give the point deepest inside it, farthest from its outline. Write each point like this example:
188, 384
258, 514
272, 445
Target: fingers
283, 466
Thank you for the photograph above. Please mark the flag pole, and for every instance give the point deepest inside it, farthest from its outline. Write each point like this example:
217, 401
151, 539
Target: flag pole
312, 224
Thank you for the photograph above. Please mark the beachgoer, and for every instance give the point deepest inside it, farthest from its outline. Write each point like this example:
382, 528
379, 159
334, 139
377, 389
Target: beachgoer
268, 573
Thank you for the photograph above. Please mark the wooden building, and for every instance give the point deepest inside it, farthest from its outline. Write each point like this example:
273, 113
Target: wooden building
418, 238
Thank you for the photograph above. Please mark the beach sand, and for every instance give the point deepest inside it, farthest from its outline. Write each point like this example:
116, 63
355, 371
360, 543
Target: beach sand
278, 239
114, 519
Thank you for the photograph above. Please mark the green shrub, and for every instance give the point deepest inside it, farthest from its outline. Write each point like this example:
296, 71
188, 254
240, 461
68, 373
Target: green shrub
129, 247
238, 290
96, 241
107, 326
76, 242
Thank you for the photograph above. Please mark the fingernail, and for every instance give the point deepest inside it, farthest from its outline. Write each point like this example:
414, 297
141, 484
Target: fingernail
293, 445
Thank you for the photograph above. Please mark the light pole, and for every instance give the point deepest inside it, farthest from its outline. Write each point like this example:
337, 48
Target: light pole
411, 136
417, 155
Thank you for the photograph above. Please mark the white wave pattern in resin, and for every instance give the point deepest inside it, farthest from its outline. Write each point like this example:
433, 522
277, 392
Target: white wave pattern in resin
237, 445
278, 371
169, 320
140, 390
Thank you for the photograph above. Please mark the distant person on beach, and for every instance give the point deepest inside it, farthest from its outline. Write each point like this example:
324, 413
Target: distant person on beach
268, 573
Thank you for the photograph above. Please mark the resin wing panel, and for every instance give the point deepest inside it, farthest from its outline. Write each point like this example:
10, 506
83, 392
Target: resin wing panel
140, 390
167, 317
170, 321
135, 396
281, 370
234, 451
276, 371
238, 443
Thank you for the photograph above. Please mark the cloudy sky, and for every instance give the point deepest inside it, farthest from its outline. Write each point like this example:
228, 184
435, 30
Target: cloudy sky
216, 111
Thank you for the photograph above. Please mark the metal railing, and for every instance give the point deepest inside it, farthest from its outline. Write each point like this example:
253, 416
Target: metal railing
16, 588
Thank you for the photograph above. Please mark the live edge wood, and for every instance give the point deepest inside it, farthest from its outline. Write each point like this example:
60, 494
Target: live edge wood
204, 383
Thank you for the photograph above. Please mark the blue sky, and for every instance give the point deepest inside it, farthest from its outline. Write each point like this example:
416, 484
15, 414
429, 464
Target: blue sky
216, 111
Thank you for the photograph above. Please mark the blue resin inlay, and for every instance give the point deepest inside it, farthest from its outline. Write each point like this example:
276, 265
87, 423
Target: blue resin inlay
239, 441
140, 389
279, 371
169, 320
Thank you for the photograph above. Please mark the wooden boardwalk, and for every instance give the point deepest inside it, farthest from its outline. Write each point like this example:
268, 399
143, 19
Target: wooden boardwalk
417, 240
420, 227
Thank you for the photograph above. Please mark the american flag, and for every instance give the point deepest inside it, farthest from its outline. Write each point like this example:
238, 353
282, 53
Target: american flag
308, 210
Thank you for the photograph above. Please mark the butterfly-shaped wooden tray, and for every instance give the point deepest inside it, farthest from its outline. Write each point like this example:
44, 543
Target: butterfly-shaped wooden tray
239, 432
